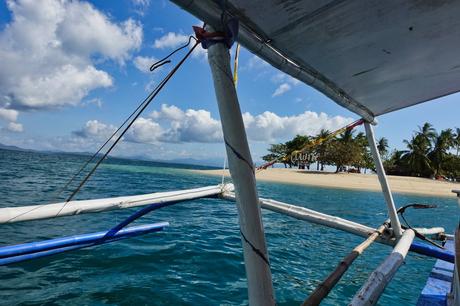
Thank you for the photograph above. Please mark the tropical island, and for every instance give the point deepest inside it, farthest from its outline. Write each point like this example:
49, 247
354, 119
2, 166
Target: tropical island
429, 165
428, 153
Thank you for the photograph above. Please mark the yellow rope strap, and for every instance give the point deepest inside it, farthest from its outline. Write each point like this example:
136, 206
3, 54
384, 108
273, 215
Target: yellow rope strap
235, 66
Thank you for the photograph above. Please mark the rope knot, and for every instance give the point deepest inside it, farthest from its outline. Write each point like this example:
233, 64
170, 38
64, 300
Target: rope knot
228, 36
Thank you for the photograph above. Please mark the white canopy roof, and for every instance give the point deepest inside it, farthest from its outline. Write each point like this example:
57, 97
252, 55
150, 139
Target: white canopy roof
370, 56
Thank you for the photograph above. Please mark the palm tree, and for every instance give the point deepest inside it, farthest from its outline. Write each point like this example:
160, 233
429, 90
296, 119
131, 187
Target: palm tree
277, 151
361, 157
342, 151
382, 146
415, 157
457, 140
347, 136
427, 133
299, 143
442, 144
320, 149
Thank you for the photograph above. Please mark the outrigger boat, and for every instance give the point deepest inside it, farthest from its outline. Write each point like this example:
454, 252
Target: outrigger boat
371, 57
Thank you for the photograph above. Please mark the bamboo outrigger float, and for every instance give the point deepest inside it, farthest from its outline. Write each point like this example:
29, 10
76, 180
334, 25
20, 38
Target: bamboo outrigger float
345, 50
37, 212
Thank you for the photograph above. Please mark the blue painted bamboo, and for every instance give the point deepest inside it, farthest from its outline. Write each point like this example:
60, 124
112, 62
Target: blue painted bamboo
136, 215
432, 251
27, 251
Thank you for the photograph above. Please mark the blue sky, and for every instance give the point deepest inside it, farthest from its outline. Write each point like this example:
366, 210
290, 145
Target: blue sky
73, 71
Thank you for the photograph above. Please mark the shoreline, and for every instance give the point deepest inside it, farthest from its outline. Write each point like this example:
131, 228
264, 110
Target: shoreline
353, 181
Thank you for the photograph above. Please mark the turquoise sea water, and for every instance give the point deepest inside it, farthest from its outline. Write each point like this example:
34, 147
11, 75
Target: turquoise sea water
198, 259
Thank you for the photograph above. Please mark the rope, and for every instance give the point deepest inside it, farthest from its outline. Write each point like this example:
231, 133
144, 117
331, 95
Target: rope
223, 171
417, 234
164, 60
235, 65
153, 94
137, 112
314, 143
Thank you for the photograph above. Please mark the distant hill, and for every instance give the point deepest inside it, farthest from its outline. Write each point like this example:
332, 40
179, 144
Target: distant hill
14, 148
185, 161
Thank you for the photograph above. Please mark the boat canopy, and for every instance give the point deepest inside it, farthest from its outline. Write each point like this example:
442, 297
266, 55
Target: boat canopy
370, 56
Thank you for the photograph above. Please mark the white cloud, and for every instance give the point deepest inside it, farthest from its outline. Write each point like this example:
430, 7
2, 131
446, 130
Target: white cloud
144, 130
287, 82
171, 124
144, 63
47, 52
282, 89
170, 40
95, 101
281, 77
173, 40
196, 126
256, 62
188, 126
95, 129
199, 52
172, 113
141, 3
172, 130
8, 114
86, 31
14, 127
66, 85
269, 127
141, 7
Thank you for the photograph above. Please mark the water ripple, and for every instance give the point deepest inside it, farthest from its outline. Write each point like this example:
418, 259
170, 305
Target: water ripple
197, 260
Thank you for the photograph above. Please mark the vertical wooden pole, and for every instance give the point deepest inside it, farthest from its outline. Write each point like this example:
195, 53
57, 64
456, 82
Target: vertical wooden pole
241, 168
395, 224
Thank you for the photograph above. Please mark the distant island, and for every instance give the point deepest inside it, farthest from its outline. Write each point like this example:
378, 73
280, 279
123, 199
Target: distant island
14, 148
213, 163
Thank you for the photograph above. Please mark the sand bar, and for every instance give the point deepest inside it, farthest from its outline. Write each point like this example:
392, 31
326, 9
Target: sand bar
398, 184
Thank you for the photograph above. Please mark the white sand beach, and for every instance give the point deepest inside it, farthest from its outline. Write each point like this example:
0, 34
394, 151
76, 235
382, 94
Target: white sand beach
398, 184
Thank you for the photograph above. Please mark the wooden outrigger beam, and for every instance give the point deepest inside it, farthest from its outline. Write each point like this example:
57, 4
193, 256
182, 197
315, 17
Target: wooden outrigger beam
326, 286
345, 225
373, 288
36, 212
312, 216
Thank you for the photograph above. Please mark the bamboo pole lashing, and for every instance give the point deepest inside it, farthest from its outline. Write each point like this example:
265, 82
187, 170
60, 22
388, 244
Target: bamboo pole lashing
333, 278
373, 288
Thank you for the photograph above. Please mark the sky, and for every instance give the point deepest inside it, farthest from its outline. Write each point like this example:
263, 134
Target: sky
72, 71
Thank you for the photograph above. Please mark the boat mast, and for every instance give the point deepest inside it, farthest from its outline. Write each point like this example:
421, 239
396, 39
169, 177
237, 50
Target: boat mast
395, 224
260, 289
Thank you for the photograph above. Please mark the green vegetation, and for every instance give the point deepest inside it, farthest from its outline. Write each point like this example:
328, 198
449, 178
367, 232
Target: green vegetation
427, 154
